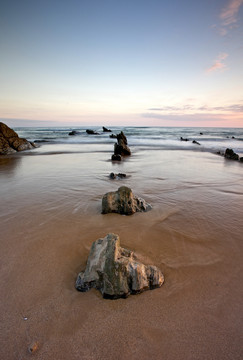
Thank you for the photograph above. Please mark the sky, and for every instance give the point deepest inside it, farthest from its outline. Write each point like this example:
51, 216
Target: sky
136, 62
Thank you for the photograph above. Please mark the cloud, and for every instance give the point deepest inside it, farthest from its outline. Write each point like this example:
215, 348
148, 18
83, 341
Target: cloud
218, 64
228, 16
229, 13
233, 108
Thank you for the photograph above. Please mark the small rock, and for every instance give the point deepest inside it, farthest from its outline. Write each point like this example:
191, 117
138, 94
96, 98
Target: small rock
73, 132
113, 136
123, 202
106, 130
33, 347
184, 139
91, 132
116, 157
117, 176
230, 154
196, 142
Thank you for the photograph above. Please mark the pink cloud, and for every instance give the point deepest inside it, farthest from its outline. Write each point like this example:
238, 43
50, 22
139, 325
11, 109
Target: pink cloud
229, 14
218, 64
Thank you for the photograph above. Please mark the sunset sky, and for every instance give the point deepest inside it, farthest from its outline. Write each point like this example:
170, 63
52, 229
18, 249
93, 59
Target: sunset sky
136, 62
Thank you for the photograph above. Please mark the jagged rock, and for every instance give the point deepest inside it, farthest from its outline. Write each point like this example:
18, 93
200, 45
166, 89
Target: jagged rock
116, 157
10, 142
113, 136
92, 132
117, 176
230, 154
106, 130
123, 202
115, 271
121, 148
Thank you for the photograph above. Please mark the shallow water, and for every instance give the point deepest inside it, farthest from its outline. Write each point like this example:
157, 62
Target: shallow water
50, 213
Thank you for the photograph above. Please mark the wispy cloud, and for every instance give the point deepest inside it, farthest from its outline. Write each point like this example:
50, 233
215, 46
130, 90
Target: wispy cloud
233, 108
218, 63
229, 13
228, 16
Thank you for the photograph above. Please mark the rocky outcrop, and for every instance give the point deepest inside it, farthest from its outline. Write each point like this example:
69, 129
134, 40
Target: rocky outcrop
73, 133
123, 202
10, 142
230, 154
92, 132
196, 142
121, 147
115, 271
105, 129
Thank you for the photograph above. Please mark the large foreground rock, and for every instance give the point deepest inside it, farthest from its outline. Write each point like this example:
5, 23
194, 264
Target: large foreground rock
124, 202
115, 272
10, 142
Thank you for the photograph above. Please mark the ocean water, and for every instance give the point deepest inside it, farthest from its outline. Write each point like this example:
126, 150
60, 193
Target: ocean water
167, 138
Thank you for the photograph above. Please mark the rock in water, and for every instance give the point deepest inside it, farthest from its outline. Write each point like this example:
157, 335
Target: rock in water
123, 202
105, 129
10, 142
230, 154
121, 148
115, 272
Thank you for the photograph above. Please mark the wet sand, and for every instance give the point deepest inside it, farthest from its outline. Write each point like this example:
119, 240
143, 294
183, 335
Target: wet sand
50, 215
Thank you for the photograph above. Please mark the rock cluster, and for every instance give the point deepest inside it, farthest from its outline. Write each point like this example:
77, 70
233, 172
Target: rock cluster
123, 202
114, 176
115, 272
10, 142
120, 148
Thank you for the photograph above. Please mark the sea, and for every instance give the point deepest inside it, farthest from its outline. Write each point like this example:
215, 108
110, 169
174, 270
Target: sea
208, 139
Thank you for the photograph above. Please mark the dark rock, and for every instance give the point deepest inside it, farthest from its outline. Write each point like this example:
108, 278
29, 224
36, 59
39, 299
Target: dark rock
106, 130
73, 132
230, 154
184, 139
116, 157
121, 147
201, 133
116, 272
241, 159
10, 142
123, 202
196, 142
117, 176
113, 136
92, 132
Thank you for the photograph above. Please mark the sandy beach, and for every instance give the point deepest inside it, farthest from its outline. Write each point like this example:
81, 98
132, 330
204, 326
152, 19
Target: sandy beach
50, 213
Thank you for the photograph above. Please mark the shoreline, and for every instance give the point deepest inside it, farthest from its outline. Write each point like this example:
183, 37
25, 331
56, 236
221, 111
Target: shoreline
51, 214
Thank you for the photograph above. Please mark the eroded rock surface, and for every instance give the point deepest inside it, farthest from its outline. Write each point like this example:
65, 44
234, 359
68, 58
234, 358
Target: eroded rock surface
115, 271
10, 142
124, 202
